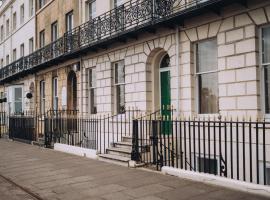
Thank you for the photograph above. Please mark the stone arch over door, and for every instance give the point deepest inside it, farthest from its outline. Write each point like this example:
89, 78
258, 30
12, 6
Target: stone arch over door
154, 60
72, 91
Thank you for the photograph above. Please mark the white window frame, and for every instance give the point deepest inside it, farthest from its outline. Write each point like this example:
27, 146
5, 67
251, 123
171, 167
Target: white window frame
14, 55
69, 21
262, 65
11, 97
31, 45
197, 74
7, 59
7, 27
55, 93
22, 50
54, 31
14, 19
92, 90
2, 33
42, 38
22, 10
42, 88
31, 8
116, 85
89, 9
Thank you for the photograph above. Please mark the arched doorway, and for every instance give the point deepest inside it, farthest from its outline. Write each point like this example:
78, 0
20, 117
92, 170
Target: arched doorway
72, 91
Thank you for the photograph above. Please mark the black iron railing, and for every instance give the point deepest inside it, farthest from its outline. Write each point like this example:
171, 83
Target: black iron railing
236, 149
126, 18
92, 132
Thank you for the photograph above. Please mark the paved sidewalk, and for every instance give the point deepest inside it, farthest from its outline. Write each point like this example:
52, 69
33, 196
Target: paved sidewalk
54, 175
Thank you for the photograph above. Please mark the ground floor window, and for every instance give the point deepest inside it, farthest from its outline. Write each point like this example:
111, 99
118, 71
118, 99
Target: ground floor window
16, 99
119, 86
55, 93
42, 97
92, 90
207, 76
265, 58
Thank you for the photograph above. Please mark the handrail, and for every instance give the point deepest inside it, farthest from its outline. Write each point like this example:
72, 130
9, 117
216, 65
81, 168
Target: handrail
132, 15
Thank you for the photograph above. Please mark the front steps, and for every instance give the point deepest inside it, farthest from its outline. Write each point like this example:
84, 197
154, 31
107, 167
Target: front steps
119, 153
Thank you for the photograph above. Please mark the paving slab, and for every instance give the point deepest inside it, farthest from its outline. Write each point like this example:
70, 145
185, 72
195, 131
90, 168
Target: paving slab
54, 175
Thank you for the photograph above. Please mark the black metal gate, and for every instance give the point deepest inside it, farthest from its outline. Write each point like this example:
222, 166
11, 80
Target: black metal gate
22, 127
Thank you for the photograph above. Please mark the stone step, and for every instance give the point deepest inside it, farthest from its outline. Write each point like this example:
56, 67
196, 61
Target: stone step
115, 159
119, 152
126, 145
127, 139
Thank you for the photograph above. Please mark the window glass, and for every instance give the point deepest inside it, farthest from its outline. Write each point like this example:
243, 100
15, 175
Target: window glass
55, 93
18, 100
206, 56
119, 76
92, 91
207, 77
208, 165
266, 45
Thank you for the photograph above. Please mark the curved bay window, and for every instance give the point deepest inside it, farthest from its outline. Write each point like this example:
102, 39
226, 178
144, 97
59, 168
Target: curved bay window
207, 76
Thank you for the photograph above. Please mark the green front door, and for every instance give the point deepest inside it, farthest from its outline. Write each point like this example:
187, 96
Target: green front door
165, 101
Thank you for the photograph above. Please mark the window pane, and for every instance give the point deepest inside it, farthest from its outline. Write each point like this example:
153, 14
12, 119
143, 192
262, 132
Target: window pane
119, 72
93, 101
92, 77
207, 56
267, 88
120, 92
208, 165
208, 93
266, 45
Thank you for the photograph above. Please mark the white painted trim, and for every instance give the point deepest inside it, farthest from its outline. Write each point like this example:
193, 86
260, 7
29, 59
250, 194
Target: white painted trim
219, 181
79, 151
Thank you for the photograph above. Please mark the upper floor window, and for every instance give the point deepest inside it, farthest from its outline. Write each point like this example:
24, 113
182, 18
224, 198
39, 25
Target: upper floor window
22, 14
54, 33
116, 3
265, 59
14, 55
14, 21
22, 50
7, 27
55, 93
41, 3
91, 9
119, 86
2, 33
2, 62
7, 60
41, 38
207, 76
92, 90
31, 8
69, 21
31, 45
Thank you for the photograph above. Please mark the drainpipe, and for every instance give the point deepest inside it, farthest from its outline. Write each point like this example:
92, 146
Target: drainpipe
177, 35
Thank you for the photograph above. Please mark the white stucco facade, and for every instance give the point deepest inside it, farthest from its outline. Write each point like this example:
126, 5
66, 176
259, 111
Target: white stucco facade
19, 34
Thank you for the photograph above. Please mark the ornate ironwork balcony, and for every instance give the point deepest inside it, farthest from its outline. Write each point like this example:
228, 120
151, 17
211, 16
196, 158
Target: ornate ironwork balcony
130, 17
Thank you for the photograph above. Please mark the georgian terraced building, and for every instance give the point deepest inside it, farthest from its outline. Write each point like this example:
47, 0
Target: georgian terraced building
202, 58
17, 39
199, 57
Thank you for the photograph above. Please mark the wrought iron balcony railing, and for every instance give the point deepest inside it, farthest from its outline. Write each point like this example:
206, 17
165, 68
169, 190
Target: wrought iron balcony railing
126, 18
